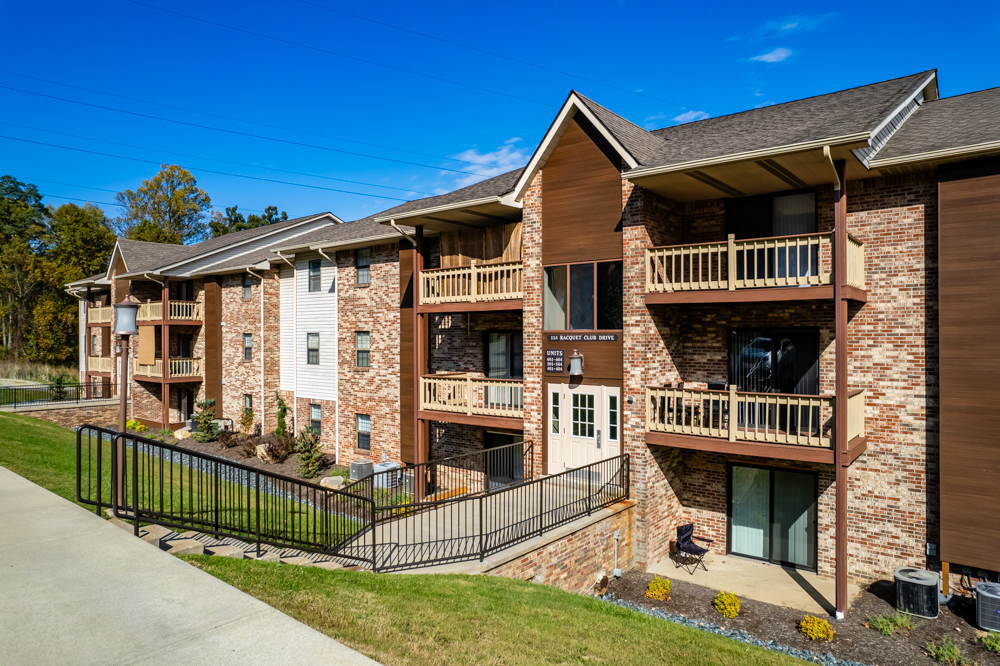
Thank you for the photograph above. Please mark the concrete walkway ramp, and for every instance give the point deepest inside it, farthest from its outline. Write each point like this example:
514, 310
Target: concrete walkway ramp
75, 589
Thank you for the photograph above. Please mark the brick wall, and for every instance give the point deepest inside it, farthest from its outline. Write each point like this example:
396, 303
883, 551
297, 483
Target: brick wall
457, 340
328, 411
578, 561
74, 417
375, 390
531, 255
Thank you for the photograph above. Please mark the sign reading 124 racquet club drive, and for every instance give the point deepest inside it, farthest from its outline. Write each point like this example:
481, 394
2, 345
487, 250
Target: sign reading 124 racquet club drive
583, 337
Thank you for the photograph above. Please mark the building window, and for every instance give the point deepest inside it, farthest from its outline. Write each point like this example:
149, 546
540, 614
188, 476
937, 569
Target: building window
613, 418
583, 415
583, 297
364, 432
315, 266
312, 348
768, 216
504, 355
554, 411
248, 346
316, 419
185, 290
94, 346
364, 261
247, 286
248, 402
363, 344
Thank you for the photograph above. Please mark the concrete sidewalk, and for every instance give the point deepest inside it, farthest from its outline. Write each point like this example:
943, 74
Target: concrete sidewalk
75, 589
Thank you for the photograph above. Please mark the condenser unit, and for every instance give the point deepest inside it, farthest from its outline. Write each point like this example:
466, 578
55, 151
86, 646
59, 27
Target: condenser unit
916, 592
988, 606
360, 469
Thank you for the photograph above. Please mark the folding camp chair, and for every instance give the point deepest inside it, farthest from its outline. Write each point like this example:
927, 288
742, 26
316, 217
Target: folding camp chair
689, 555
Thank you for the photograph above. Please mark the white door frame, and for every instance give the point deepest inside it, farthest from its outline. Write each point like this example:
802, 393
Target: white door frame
594, 440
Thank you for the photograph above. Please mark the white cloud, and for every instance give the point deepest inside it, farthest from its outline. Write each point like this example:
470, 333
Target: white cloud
652, 122
786, 25
689, 116
493, 163
763, 104
777, 55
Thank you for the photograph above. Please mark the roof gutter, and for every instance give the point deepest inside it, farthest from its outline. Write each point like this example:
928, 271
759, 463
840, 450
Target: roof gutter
942, 154
446, 207
749, 155
833, 168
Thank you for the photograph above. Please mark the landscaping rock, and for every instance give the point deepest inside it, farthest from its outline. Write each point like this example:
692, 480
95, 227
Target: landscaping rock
332, 482
154, 534
264, 454
299, 560
270, 557
183, 547
234, 552
182, 434
328, 565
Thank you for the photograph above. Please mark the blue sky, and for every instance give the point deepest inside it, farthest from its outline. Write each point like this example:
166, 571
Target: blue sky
655, 63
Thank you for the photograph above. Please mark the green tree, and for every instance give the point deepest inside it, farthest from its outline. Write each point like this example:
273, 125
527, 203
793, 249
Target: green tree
171, 201
220, 224
78, 241
22, 277
22, 214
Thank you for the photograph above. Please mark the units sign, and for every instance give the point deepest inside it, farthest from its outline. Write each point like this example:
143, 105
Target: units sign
583, 337
555, 360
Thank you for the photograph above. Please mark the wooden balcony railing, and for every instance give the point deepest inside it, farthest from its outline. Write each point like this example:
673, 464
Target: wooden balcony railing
179, 367
784, 261
466, 394
99, 363
101, 315
472, 284
190, 310
775, 418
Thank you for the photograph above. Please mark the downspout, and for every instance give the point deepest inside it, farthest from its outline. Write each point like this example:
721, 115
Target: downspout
410, 238
261, 278
149, 277
833, 168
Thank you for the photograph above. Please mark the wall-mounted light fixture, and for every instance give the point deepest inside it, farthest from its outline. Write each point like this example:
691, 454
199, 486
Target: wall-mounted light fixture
576, 364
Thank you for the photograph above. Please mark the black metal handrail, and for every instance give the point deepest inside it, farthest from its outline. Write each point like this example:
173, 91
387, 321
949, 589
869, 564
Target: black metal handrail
146, 481
43, 394
449, 479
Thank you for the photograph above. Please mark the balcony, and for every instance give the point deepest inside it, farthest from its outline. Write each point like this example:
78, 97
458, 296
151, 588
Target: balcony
488, 285
758, 269
178, 311
467, 398
178, 368
100, 315
99, 363
791, 427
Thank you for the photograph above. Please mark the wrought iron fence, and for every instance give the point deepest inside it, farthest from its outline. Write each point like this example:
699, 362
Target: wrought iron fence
39, 394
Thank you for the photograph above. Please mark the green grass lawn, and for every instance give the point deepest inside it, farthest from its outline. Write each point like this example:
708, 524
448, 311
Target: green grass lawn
42, 452
416, 620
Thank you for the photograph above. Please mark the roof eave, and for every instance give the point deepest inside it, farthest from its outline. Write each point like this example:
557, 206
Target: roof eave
936, 155
504, 200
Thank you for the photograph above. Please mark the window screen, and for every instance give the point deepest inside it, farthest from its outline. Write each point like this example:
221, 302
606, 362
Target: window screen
315, 275
363, 346
364, 260
581, 296
248, 402
312, 348
316, 418
247, 286
364, 432
609, 295
555, 298
248, 346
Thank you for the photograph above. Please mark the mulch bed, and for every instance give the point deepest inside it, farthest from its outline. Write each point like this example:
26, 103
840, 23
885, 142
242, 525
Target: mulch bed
853, 640
286, 467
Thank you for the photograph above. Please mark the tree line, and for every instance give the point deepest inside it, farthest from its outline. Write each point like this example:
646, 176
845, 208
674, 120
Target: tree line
44, 247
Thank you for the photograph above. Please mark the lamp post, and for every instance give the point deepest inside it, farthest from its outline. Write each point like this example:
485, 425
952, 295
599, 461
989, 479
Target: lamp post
125, 313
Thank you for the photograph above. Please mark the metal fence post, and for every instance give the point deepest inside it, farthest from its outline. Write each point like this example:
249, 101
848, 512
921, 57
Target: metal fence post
257, 502
135, 486
590, 478
374, 536
541, 504
482, 527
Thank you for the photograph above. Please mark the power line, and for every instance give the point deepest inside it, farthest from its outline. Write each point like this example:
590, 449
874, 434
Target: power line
342, 55
237, 133
491, 53
101, 189
103, 203
220, 173
239, 120
212, 159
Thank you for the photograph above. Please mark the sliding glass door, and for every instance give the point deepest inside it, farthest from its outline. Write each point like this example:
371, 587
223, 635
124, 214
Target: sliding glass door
772, 515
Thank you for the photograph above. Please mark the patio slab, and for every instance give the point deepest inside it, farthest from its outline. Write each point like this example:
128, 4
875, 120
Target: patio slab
761, 581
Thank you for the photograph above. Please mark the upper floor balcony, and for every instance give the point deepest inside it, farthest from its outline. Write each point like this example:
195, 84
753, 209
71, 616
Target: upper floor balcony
469, 398
100, 315
475, 284
787, 426
756, 269
177, 311
177, 368
100, 363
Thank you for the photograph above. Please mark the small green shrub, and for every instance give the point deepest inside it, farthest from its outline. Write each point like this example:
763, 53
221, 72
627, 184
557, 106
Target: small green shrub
888, 623
59, 388
310, 457
135, 426
728, 604
947, 651
279, 431
991, 642
246, 421
816, 629
165, 432
659, 589
208, 429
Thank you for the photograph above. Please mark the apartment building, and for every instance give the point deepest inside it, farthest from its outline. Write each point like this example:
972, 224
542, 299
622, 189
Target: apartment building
783, 316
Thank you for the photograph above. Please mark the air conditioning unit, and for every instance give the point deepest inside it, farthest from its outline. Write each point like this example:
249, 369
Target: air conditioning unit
387, 480
988, 606
916, 592
360, 469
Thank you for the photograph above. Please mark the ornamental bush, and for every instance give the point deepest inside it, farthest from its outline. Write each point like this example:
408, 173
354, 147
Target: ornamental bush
816, 629
246, 421
135, 426
728, 604
310, 457
659, 589
208, 429
279, 431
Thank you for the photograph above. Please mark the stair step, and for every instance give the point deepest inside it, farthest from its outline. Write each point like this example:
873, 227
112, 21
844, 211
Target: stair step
225, 551
329, 565
122, 524
299, 560
183, 547
155, 534
270, 557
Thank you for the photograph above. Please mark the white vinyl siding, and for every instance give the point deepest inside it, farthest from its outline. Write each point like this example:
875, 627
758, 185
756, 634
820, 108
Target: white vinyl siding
317, 314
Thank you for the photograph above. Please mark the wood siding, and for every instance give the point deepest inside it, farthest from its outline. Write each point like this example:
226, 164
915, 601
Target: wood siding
581, 202
213, 342
969, 264
406, 398
492, 245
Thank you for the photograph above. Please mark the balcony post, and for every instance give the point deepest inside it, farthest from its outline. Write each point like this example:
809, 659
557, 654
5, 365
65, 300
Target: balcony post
468, 394
733, 413
731, 261
474, 287
840, 384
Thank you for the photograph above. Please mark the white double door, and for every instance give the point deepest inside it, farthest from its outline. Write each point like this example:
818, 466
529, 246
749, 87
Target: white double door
584, 425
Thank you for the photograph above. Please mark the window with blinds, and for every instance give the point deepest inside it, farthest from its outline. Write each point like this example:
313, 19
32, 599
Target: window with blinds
364, 432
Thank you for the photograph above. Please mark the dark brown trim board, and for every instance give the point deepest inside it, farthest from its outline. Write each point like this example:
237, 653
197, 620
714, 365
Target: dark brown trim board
776, 294
811, 454
501, 422
486, 306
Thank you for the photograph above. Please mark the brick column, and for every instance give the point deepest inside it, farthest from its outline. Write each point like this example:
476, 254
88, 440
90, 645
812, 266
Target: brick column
531, 256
